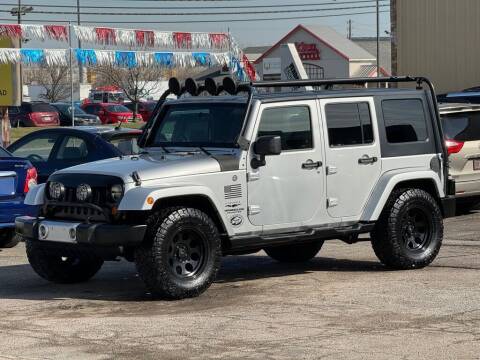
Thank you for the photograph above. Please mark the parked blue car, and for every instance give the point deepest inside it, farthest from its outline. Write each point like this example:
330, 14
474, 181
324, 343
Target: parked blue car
17, 175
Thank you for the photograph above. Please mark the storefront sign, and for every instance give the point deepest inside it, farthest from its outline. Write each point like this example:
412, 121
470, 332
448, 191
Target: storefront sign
9, 94
308, 51
272, 66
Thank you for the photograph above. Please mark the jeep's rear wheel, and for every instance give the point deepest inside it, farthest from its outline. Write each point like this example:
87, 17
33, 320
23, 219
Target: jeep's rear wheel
8, 239
181, 253
59, 267
409, 232
294, 253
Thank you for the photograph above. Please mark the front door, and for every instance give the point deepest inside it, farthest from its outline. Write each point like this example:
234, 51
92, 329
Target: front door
289, 190
352, 151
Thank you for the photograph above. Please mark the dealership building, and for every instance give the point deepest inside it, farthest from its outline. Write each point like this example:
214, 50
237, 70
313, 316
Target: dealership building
324, 54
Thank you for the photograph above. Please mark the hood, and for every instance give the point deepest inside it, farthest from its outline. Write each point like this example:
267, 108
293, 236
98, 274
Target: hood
149, 167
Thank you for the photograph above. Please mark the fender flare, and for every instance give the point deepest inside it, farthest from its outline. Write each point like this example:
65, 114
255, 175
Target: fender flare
136, 199
387, 183
35, 195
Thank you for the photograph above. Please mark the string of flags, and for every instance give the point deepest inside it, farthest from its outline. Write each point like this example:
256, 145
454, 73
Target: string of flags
127, 59
119, 37
155, 48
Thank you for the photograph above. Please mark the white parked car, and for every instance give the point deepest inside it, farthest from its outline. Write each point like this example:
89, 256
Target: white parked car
223, 175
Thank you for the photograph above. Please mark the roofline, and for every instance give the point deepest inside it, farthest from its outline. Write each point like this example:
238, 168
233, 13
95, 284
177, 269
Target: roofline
299, 27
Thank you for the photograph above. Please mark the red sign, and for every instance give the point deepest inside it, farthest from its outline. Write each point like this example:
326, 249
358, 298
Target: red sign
308, 51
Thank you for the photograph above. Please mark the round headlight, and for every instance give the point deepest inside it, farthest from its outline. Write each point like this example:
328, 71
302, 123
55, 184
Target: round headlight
84, 192
56, 190
116, 192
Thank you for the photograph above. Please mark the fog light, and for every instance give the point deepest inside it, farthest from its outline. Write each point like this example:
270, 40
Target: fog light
43, 232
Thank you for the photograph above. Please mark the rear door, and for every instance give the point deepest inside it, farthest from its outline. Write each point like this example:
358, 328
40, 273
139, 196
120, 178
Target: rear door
352, 153
464, 129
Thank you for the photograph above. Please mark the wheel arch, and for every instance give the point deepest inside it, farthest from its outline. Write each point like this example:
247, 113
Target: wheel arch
428, 181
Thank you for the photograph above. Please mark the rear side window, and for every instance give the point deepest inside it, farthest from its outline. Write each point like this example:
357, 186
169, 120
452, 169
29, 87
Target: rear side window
41, 107
405, 120
292, 124
464, 126
349, 124
72, 149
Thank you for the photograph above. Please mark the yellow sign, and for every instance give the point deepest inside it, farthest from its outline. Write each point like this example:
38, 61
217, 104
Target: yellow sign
8, 92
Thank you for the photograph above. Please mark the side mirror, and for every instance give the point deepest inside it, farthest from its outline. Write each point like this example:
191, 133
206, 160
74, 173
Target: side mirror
264, 146
101, 112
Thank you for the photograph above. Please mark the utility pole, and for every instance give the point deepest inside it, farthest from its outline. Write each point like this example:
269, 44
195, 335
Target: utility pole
378, 39
349, 31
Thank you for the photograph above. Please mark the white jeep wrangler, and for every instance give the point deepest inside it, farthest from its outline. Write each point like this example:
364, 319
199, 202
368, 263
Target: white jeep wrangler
226, 175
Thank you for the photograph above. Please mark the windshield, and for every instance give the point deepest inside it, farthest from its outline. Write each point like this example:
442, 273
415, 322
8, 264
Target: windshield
117, 109
208, 125
126, 144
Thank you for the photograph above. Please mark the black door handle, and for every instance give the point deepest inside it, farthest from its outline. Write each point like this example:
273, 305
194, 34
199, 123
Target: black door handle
365, 159
309, 165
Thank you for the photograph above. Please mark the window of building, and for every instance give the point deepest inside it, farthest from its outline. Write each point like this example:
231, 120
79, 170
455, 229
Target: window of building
314, 72
405, 120
349, 124
292, 124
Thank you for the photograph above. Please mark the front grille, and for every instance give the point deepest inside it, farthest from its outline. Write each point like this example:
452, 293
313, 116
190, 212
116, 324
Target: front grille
97, 209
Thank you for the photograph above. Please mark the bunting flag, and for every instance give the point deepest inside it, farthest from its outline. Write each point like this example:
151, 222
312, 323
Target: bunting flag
152, 38
35, 32
127, 59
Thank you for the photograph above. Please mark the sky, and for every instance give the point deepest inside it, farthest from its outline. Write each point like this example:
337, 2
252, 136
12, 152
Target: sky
247, 33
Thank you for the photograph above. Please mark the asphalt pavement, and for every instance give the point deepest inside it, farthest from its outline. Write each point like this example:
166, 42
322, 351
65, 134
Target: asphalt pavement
341, 305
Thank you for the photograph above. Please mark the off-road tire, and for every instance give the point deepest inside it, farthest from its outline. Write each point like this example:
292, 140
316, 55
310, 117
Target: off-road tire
8, 239
60, 267
294, 253
181, 253
398, 231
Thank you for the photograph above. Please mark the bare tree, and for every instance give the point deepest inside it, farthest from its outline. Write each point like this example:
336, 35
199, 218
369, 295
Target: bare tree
136, 83
54, 80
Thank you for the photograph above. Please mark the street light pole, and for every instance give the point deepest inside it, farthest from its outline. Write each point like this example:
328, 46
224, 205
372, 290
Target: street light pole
378, 39
80, 67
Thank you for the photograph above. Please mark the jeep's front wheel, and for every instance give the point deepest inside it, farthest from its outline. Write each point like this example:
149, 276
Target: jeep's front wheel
294, 253
181, 253
409, 232
59, 267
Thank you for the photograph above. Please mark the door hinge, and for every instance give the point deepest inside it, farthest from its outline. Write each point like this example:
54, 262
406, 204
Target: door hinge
331, 170
254, 210
253, 176
331, 202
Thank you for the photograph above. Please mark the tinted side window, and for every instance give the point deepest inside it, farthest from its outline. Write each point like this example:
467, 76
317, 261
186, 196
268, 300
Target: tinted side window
463, 126
72, 149
405, 120
349, 124
292, 124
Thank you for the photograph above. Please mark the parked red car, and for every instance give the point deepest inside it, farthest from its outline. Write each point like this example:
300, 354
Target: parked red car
145, 108
33, 114
110, 113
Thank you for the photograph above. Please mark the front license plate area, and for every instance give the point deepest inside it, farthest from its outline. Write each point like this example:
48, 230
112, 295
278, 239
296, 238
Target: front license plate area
58, 231
476, 164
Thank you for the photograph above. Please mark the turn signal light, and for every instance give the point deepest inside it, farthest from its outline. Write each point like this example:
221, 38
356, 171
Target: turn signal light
150, 200
453, 146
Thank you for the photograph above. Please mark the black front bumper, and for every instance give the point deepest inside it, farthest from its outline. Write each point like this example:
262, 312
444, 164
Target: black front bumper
99, 234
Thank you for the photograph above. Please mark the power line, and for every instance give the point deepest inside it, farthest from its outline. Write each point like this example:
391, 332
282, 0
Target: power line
206, 21
198, 7
198, 13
